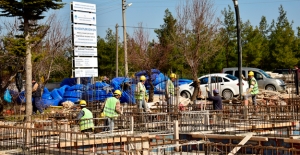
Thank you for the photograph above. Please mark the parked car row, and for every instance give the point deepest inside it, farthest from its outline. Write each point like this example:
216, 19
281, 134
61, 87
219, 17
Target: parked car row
227, 82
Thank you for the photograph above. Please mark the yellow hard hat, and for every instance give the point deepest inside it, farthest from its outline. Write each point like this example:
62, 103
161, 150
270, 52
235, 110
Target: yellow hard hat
173, 75
82, 103
142, 78
117, 92
250, 73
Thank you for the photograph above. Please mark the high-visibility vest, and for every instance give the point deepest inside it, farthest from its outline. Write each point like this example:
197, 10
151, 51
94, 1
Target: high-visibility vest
138, 94
86, 121
110, 107
170, 87
255, 88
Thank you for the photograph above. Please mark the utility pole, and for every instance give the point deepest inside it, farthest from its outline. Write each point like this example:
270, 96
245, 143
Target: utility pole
237, 14
117, 51
124, 36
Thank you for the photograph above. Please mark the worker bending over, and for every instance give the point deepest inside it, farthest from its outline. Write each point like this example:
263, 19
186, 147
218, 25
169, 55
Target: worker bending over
85, 118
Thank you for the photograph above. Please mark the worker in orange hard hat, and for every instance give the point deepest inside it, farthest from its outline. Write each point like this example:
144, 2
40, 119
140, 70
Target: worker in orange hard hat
141, 96
253, 89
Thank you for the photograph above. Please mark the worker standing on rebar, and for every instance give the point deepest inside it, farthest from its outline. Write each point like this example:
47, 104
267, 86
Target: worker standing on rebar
253, 89
111, 109
141, 96
170, 91
216, 99
85, 118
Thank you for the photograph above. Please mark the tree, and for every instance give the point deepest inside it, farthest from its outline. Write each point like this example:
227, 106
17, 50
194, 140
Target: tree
29, 12
228, 34
145, 55
198, 37
49, 55
264, 29
107, 53
252, 45
281, 45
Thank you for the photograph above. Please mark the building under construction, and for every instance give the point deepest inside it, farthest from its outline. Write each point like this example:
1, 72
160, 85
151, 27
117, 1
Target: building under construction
193, 128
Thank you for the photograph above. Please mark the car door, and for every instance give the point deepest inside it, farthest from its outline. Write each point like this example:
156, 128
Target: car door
260, 79
203, 82
216, 82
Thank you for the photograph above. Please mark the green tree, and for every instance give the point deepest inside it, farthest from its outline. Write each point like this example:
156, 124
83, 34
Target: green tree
29, 12
228, 34
166, 37
252, 45
282, 42
264, 29
107, 54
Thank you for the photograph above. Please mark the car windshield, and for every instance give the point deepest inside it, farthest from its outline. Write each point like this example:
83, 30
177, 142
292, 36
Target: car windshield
265, 74
231, 77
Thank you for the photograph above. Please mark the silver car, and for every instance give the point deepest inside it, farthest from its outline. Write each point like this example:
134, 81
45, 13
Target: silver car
264, 80
227, 85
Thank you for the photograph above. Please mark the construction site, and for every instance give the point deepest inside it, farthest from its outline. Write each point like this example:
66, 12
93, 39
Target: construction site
184, 127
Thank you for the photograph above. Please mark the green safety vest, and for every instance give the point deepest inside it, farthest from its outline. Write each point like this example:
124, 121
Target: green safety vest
138, 94
110, 107
170, 87
255, 88
86, 121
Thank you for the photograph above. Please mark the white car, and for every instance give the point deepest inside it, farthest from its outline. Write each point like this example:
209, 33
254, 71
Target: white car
228, 85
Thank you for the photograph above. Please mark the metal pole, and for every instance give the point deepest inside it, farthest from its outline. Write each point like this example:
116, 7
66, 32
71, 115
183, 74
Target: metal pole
124, 36
117, 51
237, 13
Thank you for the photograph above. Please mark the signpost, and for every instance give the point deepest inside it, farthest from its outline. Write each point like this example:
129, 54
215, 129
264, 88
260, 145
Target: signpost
84, 37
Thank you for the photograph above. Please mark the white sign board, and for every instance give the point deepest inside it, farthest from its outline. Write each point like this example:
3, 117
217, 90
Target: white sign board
86, 72
84, 18
86, 62
83, 7
84, 35
85, 51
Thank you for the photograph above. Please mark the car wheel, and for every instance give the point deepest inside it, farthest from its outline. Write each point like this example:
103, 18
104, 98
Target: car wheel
270, 87
227, 94
185, 94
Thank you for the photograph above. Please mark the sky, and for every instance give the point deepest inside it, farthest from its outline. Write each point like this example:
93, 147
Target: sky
151, 13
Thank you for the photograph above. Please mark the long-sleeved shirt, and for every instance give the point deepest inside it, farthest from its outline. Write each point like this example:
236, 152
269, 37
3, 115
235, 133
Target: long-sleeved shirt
217, 101
118, 107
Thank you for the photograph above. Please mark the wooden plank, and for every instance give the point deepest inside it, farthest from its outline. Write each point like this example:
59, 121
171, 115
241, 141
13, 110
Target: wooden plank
243, 142
287, 140
219, 136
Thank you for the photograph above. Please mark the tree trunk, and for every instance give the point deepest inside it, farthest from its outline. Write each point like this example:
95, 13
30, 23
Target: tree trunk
28, 66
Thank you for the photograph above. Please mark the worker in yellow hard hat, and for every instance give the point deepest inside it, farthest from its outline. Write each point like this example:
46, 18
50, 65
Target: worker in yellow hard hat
111, 109
170, 90
85, 118
253, 89
141, 96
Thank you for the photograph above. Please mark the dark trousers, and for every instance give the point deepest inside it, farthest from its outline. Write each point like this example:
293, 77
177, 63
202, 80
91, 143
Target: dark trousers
37, 105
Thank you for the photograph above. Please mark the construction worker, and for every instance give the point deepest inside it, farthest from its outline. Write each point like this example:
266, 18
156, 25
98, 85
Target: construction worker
141, 96
111, 108
170, 91
85, 118
37, 96
253, 89
217, 99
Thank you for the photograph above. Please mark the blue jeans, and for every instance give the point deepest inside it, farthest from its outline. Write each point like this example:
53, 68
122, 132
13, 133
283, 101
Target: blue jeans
253, 98
110, 124
141, 104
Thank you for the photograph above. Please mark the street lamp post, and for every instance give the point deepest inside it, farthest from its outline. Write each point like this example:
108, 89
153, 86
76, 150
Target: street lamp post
124, 6
237, 14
